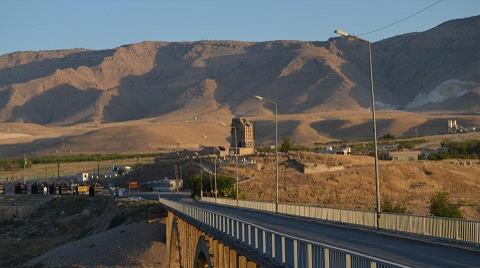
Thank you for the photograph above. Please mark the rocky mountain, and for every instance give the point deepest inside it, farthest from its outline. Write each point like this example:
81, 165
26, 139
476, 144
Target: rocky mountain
438, 69
170, 95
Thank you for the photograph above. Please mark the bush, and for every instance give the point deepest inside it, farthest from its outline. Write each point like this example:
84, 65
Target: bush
387, 136
463, 149
441, 206
287, 145
389, 206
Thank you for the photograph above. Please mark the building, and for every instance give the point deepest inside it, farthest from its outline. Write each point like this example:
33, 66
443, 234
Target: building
404, 155
454, 127
82, 177
242, 138
428, 153
219, 151
344, 150
164, 185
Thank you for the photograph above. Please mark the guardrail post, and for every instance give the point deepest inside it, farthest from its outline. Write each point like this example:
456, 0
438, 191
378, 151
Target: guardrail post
309, 256
326, 257
227, 225
273, 246
243, 232
264, 242
283, 249
348, 261
249, 233
373, 264
256, 237
295, 253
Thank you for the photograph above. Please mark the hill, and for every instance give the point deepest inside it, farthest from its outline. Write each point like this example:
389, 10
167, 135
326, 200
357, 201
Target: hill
100, 93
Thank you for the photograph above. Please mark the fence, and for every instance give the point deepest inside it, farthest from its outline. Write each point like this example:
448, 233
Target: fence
281, 248
446, 228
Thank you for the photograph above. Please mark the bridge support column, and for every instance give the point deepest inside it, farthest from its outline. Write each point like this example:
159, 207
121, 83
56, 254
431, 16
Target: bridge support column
191, 247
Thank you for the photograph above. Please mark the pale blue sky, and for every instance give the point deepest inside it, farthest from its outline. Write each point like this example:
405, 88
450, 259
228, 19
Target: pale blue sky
96, 24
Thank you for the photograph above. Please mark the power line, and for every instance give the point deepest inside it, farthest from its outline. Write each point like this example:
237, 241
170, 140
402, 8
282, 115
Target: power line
403, 19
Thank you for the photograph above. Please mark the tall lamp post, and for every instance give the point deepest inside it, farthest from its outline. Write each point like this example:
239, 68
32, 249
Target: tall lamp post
377, 180
201, 174
260, 98
215, 173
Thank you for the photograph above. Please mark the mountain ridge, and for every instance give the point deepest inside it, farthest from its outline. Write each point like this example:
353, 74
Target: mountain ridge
209, 81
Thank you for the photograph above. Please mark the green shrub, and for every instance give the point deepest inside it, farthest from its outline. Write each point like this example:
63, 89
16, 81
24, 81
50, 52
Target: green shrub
287, 145
441, 206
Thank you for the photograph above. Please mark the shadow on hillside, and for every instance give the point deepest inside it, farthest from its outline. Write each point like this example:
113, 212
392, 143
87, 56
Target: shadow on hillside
64, 104
33, 70
340, 129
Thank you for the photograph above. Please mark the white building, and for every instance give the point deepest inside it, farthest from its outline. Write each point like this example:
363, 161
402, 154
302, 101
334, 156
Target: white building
82, 177
165, 185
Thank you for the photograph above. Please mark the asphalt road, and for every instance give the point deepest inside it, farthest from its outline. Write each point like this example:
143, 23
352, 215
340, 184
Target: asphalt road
407, 251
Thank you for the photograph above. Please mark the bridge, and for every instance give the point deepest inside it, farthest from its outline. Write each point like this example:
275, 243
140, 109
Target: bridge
202, 234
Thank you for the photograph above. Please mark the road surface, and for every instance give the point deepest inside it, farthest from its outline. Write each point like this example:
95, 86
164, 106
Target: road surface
407, 251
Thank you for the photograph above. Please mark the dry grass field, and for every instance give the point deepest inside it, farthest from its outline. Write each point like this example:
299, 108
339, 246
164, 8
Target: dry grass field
408, 183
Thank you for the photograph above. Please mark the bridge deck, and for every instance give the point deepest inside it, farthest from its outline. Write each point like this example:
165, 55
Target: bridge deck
406, 251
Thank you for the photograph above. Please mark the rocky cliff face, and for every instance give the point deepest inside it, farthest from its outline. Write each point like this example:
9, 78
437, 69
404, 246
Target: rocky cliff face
434, 70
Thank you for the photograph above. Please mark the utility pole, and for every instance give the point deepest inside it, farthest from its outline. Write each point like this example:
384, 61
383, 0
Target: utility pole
58, 171
24, 169
201, 178
215, 174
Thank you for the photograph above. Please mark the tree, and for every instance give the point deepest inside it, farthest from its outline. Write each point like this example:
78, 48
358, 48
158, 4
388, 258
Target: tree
387, 136
441, 206
287, 145
225, 185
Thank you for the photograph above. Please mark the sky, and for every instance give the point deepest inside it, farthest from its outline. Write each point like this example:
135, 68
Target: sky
99, 24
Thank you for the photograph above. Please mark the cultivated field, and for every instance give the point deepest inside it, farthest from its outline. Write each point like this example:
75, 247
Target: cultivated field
41, 171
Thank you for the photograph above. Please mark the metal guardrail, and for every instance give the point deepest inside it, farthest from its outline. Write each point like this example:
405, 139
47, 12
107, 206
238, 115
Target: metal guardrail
445, 228
281, 248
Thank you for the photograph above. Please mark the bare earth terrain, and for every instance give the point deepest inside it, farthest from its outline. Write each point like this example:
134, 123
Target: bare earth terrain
408, 183
153, 135
76, 231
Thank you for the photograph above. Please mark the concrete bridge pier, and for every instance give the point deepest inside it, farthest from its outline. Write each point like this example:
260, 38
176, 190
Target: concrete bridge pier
191, 247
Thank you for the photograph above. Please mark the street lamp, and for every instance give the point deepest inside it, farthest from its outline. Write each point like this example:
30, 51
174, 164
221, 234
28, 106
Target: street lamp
201, 174
377, 180
260, 98
215, 174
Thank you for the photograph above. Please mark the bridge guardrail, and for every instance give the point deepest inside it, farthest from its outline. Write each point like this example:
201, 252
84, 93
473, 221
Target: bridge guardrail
445, 228
282, 248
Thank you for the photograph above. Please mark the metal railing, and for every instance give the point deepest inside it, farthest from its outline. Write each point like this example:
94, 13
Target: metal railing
280, 248
445, 228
